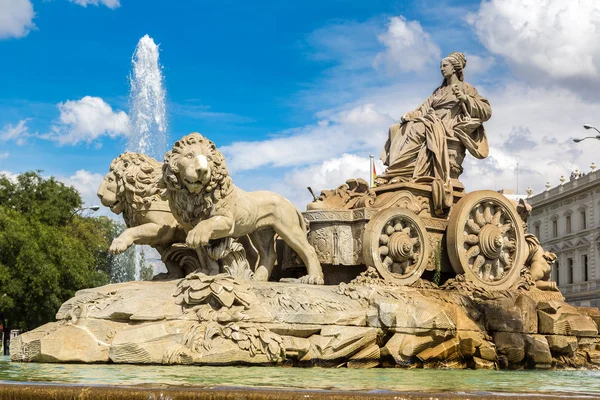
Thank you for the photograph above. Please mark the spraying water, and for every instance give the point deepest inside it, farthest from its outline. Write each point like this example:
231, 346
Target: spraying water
147, 120
147, 113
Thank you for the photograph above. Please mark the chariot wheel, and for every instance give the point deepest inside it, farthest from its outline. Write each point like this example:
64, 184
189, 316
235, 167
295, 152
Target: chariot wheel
486, 240
396, 244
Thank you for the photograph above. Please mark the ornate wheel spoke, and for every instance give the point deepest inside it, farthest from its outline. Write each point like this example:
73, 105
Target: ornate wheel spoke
478, 216
486, 240
396, 244
473, 227
473, 251
487, 213
472, 239
496, 217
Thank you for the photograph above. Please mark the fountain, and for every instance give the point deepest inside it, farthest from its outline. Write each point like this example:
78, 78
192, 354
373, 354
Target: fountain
414, 273
147, 111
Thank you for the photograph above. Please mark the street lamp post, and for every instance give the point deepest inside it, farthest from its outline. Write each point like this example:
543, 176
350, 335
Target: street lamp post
586, 126
93, 208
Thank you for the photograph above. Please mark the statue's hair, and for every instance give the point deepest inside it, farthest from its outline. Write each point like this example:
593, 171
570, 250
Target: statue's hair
459, 62
139, 182
194, 206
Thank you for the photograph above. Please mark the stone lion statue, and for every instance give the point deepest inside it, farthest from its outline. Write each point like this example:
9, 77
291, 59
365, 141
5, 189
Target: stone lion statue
132, 188
209, 206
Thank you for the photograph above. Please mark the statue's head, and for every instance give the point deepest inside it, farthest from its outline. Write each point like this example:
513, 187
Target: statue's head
453, 64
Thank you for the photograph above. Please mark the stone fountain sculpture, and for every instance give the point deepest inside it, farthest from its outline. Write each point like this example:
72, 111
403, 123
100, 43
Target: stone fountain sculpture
419, 273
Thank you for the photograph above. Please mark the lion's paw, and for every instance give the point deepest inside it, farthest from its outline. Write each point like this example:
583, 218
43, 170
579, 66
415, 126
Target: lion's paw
312, 280
197, 238
118, 246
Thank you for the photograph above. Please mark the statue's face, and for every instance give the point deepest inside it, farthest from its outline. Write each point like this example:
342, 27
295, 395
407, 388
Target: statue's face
446, 68
194, 167
107, 193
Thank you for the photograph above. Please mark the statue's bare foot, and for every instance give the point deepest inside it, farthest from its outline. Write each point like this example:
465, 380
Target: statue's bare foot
312, 280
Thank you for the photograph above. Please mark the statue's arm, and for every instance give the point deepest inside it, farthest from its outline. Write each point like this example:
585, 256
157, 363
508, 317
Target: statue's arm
477, 106
419, 111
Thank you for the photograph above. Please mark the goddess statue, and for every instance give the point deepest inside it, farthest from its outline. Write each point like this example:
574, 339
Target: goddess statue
431, 140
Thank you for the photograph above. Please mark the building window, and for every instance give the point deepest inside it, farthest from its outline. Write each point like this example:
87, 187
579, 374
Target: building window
554, 228
568, 221
569, 270
583, 219
584, 265
557, 273
537, 231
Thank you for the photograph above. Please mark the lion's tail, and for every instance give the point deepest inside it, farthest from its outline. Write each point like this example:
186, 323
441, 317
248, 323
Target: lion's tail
303, 222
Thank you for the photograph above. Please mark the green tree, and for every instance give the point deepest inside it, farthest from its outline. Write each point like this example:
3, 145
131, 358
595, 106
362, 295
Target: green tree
146, 270
47, 251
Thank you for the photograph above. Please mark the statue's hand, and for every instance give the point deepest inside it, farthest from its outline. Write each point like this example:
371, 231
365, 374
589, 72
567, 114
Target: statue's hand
407, 117
459, 93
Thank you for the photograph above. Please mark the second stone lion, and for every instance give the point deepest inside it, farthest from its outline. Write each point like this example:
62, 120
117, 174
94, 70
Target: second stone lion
209, 207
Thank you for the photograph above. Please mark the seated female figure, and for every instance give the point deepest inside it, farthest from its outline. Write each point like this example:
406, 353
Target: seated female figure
418, 145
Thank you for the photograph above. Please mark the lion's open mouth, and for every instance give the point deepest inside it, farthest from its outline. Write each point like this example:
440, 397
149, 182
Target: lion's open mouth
114, 205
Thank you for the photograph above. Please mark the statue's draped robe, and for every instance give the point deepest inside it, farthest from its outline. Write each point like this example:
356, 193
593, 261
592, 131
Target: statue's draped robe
419, 148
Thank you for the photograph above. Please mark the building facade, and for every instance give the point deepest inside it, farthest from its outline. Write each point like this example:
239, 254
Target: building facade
566, 219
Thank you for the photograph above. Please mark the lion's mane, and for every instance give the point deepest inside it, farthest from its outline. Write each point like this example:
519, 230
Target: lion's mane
192, 207
139, 183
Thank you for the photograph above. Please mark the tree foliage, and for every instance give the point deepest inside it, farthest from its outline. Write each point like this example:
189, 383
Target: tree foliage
47, 250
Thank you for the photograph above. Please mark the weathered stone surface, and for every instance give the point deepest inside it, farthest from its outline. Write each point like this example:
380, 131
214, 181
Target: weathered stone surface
440, 352
591, 312
505, 315
562, 344
480, 363
511, 345
369, 357
147, 343
487, 351
537, 349
558, 318
443, 329
27, 346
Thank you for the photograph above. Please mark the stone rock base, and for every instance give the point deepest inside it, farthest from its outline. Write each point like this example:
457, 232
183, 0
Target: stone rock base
217, 320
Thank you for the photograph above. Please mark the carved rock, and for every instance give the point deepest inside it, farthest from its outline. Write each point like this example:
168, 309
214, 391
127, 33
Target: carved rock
558, 318
510, 345
220, 320
562, 344
537, 349
505, 315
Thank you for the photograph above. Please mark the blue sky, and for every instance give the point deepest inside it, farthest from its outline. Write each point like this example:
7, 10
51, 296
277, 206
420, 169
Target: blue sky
299, 93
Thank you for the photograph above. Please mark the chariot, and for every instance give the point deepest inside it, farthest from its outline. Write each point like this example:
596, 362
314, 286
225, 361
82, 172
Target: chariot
395, 229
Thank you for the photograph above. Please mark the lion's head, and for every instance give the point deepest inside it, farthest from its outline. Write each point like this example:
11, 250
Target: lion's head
133, 184
195, 173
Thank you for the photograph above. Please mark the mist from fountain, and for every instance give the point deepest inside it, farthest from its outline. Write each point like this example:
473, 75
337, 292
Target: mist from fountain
147, 111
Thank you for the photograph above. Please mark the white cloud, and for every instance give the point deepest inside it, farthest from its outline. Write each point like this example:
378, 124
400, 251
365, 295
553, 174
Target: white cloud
86, 120
112, 4
408, 47
558, 38
10, 175
16, 18
477, 65
86, 183
328, 174
338, 132
17, 132
533, 127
